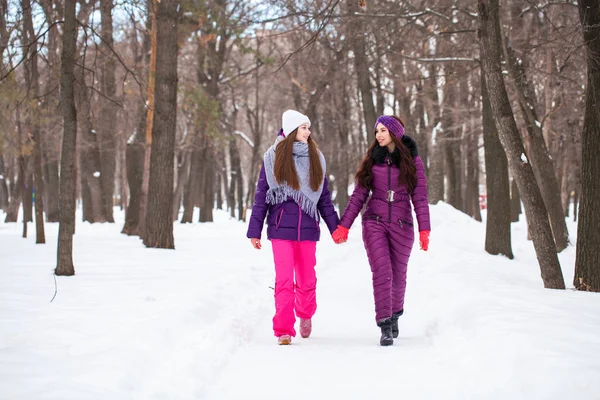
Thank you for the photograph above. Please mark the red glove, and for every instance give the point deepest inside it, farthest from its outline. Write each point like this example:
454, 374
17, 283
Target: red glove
340, 235
424, 240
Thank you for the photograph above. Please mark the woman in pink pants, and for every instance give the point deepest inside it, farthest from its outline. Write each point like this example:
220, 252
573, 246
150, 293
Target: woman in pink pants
292, 193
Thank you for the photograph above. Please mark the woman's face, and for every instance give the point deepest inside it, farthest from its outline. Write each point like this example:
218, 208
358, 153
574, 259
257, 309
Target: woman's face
303, 133
382, 135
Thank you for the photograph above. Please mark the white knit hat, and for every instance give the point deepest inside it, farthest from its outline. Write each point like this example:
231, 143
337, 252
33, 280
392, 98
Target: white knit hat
291, 120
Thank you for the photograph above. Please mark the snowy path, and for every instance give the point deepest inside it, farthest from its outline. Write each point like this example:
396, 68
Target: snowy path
474, 327
195, 323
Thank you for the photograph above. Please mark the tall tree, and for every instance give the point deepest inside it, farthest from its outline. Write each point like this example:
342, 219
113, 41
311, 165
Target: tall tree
497, 233
542, 163
357, 35
587, 260
136, 147
107, 116
490, 47
34, 120
149, 120
159, 216
66, 227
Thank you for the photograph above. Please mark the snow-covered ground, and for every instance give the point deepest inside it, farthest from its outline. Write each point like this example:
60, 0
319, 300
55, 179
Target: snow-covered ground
195, 323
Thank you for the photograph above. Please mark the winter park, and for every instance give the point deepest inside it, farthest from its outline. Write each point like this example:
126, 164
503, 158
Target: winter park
229, 199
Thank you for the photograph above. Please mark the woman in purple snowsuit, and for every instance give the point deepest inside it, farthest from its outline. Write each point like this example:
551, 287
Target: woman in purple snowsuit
393, 173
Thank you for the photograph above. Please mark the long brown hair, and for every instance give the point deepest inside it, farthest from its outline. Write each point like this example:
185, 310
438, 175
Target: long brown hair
406, 165
285, 169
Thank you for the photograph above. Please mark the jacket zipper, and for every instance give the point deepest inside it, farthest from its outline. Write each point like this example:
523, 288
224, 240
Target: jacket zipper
299, 220
389, 190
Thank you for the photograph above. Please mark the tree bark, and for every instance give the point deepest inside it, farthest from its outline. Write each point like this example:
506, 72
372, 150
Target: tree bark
472, 178
18, 194
3, 186
497, 234
152, 6
183, 172
515, 202
107, 116
34, 120
451, 147
66, 227
135, 164
52, 191
207, 197
541, 162
587, 259
489, 36
192, 188
236, 185
361, 65
136, 148
436, 171
159, 216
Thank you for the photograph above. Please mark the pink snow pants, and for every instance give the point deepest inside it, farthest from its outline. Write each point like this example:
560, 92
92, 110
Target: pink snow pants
294, 296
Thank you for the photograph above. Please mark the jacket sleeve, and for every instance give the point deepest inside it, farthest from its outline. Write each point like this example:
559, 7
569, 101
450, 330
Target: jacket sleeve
259, 209
355, 204
419, 197
326, 208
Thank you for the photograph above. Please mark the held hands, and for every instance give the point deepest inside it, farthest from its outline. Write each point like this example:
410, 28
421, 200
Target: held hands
340, 235
256, 243
424, 240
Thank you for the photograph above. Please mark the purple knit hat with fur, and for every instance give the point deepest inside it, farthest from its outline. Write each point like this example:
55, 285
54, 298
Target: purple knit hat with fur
391, 124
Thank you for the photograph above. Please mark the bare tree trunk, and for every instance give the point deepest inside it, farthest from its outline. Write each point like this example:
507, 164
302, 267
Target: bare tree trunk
18, 194
472, 180
135, 165
542, 163
537, 217
182, 177
32, 79
515, 202
219, 190
66, 227
436, 171
91, 188
136, 149
52, 191
566, 179
191, 189
236, 180
28, 198
497, 234
207, 198
3, 186
587, 261
107, 117
152, 6
159, 216
451, 152
51, 144
361, 65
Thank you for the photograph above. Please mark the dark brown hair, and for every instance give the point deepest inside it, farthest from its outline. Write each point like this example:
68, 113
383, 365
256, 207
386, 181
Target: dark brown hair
285, 169
405, 163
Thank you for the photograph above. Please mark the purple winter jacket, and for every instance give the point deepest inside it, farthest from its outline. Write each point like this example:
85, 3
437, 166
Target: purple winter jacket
399, 210
287, 221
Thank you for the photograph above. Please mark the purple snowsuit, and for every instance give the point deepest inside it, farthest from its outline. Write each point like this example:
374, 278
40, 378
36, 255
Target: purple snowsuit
388, 232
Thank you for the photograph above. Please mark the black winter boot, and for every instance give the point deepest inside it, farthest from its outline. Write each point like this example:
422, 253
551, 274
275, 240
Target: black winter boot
395, 316
386, 332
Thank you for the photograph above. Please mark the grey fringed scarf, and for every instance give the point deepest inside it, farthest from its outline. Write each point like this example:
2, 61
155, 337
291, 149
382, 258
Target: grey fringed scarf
306, 198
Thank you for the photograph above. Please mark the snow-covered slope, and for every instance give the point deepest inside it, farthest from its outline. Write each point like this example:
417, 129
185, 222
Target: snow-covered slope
195, 323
